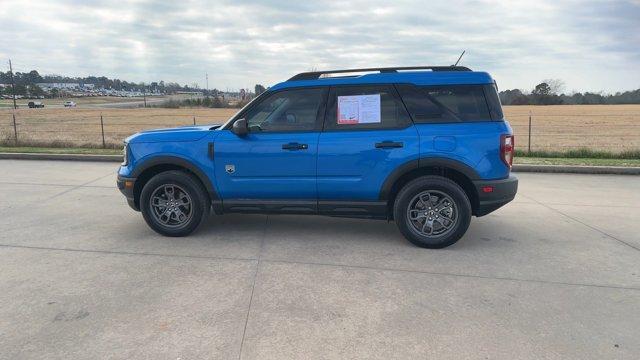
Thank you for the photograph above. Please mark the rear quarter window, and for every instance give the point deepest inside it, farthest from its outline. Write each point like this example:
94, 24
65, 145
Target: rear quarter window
450, 103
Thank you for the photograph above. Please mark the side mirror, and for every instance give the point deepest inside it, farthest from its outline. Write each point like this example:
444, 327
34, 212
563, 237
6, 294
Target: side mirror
240, 127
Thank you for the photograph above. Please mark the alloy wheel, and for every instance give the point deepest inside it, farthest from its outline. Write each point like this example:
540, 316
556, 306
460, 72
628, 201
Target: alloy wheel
432, 213
171, 205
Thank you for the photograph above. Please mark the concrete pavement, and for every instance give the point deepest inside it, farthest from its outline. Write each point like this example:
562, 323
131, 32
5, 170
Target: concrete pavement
555, 274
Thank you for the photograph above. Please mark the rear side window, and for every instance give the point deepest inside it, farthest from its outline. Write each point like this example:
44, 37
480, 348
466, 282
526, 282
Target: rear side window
365, 107
448, 103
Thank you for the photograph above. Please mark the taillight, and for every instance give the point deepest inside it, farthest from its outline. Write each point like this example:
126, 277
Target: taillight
507, 149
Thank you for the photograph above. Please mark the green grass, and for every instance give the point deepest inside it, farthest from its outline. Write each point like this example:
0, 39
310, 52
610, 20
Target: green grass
41, 150
581, 153
577, 161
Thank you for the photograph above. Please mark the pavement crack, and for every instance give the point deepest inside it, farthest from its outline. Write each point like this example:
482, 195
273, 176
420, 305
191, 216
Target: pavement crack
260, 260
132, 253
77, 187
253, 285
54, 185
583, 223
437, 273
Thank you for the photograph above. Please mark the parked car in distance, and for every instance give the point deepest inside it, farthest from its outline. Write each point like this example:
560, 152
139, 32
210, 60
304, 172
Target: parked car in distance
35, 104
427, 147
69, 104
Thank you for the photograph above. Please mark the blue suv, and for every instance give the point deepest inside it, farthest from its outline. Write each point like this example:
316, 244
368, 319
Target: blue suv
427, 147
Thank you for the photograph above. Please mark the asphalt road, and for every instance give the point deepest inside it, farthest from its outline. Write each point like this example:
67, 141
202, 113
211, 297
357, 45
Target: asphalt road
128, 104
555, 275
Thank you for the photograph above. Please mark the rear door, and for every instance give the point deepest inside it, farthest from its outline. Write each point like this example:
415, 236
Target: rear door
276, 160
367, 134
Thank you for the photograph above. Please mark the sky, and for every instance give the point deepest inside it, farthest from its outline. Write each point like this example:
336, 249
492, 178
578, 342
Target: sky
589, 45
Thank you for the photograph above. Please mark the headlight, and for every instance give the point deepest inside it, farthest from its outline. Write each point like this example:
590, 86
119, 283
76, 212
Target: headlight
125, 155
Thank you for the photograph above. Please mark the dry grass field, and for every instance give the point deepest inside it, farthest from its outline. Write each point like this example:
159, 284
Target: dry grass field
599, 127
81, 127
561, 127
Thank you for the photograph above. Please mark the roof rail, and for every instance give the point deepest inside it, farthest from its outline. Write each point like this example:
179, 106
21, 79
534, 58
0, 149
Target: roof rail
313, 75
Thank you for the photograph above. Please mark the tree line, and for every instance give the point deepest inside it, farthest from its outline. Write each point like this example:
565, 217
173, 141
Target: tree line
549, 92
216, 100
26, 83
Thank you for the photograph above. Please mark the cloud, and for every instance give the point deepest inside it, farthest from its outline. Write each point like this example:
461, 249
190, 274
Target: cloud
591, 45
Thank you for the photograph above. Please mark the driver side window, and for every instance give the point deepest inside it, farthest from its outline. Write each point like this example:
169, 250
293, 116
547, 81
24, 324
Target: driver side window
288, 110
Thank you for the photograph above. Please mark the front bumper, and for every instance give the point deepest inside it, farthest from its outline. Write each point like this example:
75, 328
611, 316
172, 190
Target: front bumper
126, 186
502, 191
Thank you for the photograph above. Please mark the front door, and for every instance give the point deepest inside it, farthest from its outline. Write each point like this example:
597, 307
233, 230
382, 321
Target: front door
277, 159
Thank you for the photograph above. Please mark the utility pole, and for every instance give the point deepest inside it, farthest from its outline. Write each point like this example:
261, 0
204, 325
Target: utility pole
206, 76
102, 131
144, 94
13, 85
529, 143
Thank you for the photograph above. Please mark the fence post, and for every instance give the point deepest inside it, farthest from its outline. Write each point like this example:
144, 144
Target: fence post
15, 129
529, 143
194, 121
104, 145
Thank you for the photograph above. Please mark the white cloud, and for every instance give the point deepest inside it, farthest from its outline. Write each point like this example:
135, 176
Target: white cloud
591, 45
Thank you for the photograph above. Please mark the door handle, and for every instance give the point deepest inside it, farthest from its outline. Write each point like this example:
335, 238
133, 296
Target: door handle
389, 145
294, 146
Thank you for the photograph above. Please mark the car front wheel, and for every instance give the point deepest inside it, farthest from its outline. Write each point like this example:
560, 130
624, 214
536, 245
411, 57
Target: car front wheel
432, 212
173, 203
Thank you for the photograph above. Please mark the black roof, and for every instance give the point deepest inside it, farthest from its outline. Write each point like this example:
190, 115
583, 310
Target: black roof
313, 75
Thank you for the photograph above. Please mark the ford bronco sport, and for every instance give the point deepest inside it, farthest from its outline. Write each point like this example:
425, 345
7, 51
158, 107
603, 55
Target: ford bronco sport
427, 147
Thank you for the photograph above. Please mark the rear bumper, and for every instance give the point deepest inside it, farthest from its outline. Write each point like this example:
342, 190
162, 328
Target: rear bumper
502, 191
126, 185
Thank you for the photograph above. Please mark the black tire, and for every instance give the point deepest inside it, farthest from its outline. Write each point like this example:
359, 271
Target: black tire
411, 197
182, 183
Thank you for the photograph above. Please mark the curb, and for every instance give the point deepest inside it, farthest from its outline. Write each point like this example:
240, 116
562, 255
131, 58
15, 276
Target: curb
560, 169
577, 169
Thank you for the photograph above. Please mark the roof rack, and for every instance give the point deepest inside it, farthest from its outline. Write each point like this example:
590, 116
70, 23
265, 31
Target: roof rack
313, 75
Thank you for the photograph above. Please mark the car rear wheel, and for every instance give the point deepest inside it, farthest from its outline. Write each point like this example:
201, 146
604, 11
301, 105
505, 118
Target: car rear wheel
432, 212
173, 203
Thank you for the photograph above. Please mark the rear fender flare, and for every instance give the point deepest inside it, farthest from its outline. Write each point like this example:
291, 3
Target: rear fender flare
425, 162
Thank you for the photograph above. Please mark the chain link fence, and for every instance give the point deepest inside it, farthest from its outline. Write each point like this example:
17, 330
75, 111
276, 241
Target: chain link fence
537, 129
613, 132
94, 128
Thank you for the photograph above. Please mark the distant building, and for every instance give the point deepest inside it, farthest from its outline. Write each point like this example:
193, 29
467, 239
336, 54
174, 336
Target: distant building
59, 86
198, 93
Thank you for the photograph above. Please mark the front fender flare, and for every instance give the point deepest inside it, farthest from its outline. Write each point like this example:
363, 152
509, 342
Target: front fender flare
177, 161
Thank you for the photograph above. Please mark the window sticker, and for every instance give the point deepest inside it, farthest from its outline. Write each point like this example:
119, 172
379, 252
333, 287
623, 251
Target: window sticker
359, 109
